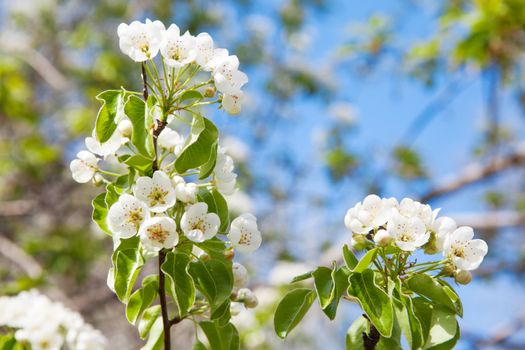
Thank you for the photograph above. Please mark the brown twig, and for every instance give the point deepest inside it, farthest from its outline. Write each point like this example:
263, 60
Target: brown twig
477, 172
370, 340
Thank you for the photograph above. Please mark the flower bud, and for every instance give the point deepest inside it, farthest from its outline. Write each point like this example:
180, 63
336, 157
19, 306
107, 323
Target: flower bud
209, 92
463, 277
125, 128
431, 246
235, 309
240, 275
382, 238
449, 270
359, 242
248, 297
229, 254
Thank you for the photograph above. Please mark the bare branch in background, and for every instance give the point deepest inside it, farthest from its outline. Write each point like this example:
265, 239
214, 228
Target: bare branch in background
478, 172
16, 255
17, 207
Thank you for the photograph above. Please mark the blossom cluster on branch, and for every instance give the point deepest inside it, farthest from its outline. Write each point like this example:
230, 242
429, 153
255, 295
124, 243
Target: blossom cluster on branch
45, 325
165, 178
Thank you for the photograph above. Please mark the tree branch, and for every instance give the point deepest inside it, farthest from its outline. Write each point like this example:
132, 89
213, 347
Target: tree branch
163, 304
477, 172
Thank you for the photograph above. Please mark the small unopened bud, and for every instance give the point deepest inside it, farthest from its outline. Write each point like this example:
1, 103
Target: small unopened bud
209, 92
98, 179
240, 275
463, 277
382, 238
359, 242
248, 298
431, 246
449, 270
229, 254
125, 128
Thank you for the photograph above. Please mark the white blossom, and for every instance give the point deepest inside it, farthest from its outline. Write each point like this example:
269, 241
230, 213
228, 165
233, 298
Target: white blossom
411, 208
171, 140
228, 79
47, 325
232, 103
206, 53
244, 233
126, 215
465, 252
442, 228
408, 233
225, 178
247, 297
177, 50
159, 232
382, 238
105, 148
240, 275
185, 192
372, 213
140, 41
197, 224
84, 167
157, 191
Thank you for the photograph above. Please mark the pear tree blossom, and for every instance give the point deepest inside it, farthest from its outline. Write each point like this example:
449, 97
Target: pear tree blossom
166, 200
197, 224
244, 233
156, 192
395, 272
84, 167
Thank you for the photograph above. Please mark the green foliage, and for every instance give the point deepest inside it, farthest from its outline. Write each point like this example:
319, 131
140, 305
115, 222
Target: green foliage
221, 337
106, 124
292, 309
127, 263
142, 298
181, 285
213, 279
216, 204
136, 110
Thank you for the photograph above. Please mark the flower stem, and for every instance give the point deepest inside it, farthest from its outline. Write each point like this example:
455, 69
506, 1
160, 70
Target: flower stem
166, 323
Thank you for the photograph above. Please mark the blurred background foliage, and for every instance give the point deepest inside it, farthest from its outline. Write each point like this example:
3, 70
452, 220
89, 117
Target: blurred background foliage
307, 146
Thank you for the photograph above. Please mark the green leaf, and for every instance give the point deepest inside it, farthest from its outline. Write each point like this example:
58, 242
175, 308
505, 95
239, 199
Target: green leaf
349, 257
222, 314
190, 94
181, 285
324, 285
213, 279
340, 280
444, 330
216, 204
453, 296
112, 195
207, 168
365, 261
204, 135
199, 346
430, 288
155, 334
291, 310
374, 301
127, 262
100, 212
423, 312
150, 317
214, 247
354, 335
221, 338
7, 341
105, 124
141, 163
141, 138
409, 324
142, 298
302, 277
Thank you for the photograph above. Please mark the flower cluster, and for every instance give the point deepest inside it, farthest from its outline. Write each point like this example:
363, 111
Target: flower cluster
143, 41
47, 325
410, 225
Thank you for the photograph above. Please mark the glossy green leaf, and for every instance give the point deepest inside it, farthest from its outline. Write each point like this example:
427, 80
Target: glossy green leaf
141, 163
149, 318
105, 124
374, 301
142, 298
302, 277
127, 262
207, 168
181, 286
214, 247
453, 295
199, 346
340, 280
221, 338
423, 312
100, 212
366, 260
409, 324
155, 332
324, 285
189, 95
349, 257
141, 137
204, 135
430, 288
443, 329
216, 204
291, 310
213, 279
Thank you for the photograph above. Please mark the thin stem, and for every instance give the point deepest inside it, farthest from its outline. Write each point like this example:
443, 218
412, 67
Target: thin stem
166, 323
105, 172
145, 81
